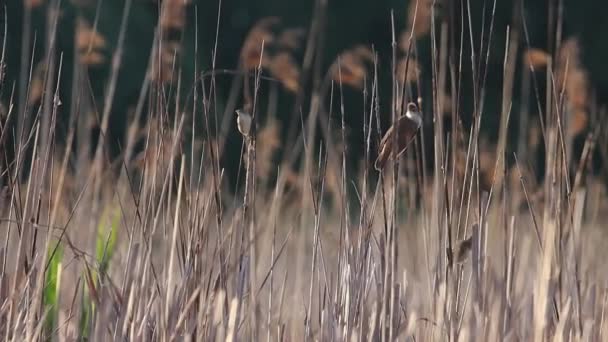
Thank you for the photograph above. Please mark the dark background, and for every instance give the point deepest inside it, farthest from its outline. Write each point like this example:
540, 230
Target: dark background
348, 23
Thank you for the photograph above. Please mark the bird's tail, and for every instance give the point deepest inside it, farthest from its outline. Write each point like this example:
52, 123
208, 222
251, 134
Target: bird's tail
381, 160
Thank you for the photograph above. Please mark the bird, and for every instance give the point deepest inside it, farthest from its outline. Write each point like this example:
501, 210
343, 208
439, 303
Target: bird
243, 122
407, 126
461, 251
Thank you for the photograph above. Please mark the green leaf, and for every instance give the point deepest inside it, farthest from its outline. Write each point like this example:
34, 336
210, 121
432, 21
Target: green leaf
106, 240
52, 286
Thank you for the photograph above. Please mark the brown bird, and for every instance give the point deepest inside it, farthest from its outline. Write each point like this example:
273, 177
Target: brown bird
408, 125
243, 122
461, 252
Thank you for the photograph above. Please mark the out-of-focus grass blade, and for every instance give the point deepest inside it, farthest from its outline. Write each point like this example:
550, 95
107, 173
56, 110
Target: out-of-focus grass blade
51, 288
106, 241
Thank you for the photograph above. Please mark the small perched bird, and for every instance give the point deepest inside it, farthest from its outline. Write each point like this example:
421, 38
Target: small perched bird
461, 252
407, 127
243, 122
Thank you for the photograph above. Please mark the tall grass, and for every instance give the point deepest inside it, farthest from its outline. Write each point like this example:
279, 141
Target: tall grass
155, 247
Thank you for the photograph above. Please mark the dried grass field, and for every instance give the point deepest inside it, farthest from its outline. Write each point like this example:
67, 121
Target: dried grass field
459, 238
